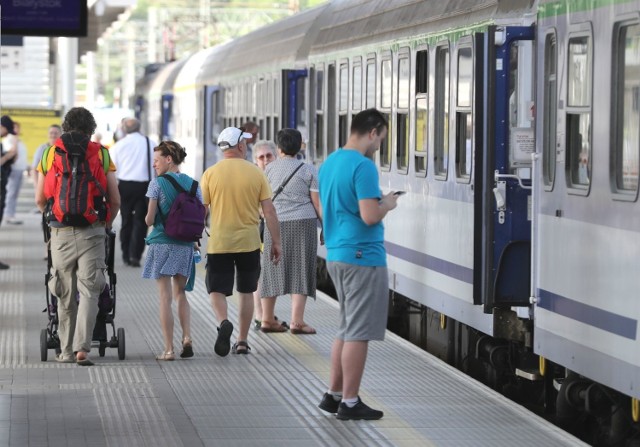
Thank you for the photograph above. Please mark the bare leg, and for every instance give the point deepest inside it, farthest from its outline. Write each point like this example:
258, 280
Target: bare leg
354, 357
219, 304
335, 374
257, 303
298, 303
166, 314
245, 312
184, 309
268, 308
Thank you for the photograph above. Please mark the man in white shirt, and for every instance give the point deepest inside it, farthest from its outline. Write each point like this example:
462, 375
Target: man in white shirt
133, 157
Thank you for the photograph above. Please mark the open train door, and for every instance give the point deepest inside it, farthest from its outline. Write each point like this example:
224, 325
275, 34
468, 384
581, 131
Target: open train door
212, 125
503, 168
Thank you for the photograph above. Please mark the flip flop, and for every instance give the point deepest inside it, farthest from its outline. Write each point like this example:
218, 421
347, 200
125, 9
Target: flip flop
302, 329
86, 361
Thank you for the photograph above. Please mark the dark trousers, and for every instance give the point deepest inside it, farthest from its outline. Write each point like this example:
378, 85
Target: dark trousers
4, 178
133, 208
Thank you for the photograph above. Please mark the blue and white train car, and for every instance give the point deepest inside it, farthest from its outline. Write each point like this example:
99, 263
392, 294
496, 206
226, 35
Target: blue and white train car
514, 130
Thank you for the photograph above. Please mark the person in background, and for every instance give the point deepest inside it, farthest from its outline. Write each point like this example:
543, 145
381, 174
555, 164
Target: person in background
19, 165
298, 208
254, 130
54, 133
264, 152
133, 156
235, 191
9, 152
169, 261
78, 252
6, 159
352, 210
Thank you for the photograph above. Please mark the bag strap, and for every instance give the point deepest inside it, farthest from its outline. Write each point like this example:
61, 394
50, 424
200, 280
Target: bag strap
281, 187
148, 159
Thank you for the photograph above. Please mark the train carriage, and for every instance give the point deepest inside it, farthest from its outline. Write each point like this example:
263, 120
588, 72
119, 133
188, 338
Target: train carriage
513, 128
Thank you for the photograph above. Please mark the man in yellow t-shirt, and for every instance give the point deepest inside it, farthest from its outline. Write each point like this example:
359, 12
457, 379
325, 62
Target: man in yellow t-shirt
234, 189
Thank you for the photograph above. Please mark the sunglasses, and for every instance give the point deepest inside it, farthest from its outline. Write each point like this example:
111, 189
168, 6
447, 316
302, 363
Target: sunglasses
263, 156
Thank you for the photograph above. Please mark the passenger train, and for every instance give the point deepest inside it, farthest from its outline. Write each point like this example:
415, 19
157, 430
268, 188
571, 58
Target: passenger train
514, 128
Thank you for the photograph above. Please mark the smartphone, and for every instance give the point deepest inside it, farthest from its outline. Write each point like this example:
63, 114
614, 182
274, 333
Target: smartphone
399, 193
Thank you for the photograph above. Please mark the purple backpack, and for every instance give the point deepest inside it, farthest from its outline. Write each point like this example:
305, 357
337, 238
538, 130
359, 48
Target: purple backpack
185, 221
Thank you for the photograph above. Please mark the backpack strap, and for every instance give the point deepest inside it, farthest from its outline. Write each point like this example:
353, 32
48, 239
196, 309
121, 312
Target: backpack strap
178, 186
106, 159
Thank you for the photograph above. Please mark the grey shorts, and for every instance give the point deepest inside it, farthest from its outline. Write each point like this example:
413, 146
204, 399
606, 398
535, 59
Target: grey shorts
363, 294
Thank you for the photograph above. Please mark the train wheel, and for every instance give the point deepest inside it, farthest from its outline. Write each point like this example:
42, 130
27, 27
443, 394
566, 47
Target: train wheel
121, 344
44, 345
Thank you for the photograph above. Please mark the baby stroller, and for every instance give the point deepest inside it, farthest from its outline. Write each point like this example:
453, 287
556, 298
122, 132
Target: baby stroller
106, 308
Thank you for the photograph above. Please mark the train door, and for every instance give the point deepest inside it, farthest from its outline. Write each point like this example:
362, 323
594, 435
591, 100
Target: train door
504, 207
293, 99
166, 124
213, 124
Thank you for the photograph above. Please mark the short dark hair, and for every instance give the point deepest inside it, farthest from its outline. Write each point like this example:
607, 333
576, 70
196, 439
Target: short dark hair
79, 119
171, 149
289, 141
367, 120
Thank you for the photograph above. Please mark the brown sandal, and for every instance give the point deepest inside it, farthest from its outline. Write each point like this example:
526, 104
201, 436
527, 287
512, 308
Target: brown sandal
272, 326
302, 329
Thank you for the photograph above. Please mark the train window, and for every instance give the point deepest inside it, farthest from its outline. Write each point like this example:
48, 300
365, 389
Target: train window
385, 146
386, 77
343, 102
319, 129
344, 88
301, 98
402, 117
421, 135
464, 146
371, 83
465, 77
269, 128
578, 131
332, 108
276, 96
441, 114
319, 86
626, 113
422, 73
356, 86
550, 107
464, 118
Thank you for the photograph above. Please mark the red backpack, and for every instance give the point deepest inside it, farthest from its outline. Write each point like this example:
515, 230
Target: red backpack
75, 186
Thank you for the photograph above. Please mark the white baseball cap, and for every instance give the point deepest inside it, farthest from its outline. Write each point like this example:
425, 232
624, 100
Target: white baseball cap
231, 136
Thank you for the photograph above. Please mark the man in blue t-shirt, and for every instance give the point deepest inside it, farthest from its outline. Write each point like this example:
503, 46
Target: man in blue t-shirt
352, 211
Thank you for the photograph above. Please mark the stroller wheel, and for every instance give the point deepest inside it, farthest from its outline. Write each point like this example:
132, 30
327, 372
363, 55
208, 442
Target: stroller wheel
44, 345
121, 343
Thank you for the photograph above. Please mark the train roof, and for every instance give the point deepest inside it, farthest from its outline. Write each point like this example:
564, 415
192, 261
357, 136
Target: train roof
351, 23
188, 75
163, 82
281, 44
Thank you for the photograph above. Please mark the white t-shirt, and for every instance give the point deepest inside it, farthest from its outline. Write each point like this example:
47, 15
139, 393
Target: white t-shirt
20, 162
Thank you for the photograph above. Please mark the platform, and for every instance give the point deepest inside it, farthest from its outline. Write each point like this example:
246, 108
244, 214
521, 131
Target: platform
269, 397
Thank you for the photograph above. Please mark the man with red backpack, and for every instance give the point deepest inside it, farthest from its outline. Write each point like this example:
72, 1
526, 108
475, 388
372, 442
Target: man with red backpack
78, 193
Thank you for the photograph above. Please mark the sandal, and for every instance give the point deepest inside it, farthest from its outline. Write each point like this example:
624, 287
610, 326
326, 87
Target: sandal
166, 356
240, 344
302, 329
187, 348
82, 359
273, 326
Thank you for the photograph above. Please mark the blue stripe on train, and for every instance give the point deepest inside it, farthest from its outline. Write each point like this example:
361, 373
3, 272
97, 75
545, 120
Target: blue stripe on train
602, 319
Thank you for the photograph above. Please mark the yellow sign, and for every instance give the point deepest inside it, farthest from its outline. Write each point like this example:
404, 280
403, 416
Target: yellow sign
34, 125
